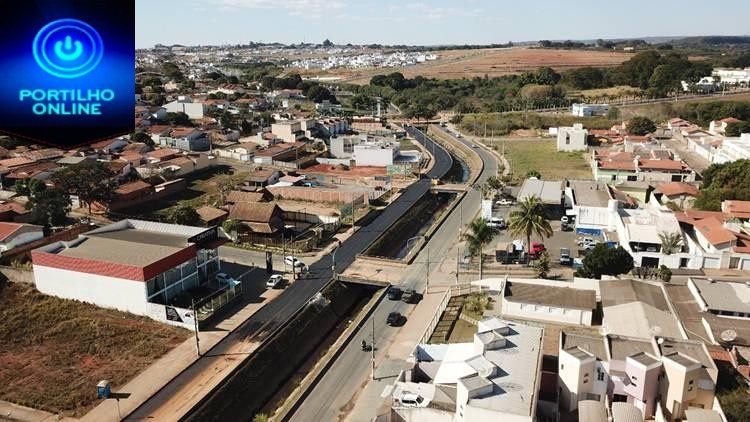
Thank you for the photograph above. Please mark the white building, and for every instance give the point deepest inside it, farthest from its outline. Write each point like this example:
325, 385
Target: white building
183, 104
494, 378
572, 138
732, 149
375, 154
133, 266
560, 305
733, 76
586, 110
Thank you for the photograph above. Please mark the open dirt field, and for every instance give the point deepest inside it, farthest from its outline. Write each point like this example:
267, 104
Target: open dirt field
456, 64
55, 351
327, 169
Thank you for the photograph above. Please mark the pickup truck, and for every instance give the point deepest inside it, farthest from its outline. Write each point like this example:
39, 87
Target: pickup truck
536, 249
565, 258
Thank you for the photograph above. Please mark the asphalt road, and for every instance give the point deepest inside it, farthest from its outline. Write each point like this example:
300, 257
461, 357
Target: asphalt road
336, 391
264, 322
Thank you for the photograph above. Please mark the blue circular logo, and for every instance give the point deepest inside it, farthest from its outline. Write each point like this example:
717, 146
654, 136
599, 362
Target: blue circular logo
68, 48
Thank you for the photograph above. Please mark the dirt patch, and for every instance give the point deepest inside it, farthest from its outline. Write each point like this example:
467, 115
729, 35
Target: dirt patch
353, 171
55, 351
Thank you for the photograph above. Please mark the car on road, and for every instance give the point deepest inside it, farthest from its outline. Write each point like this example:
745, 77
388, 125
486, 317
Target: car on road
274, 281
565, 258
497, 222
505, 202
409, 296
394, 293
458, 135
474, 146
295, 262
394, 318
225, 278
587, 243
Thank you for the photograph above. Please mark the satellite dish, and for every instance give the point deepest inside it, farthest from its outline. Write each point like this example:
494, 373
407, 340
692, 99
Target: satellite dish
604, 330
660, 340
655, 330
728, 335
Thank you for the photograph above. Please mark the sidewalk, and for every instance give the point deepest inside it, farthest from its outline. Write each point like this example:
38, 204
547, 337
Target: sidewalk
13, 412
181, 363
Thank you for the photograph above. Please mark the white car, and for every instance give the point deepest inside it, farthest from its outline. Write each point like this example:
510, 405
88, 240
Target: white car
294, 262
496, 222
504, 203
274, 281
474, 145
225, 278
411, 400
565, 219
587, 243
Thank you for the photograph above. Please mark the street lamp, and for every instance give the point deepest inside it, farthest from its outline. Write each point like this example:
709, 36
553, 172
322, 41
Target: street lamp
333, 258
427, 262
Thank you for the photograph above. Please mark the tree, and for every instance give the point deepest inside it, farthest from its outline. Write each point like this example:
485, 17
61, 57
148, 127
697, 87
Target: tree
735, 403
260, 417
640, 125
226, 120
736, 129
480, 234
529, 219
494, 183
29, 187
143, 138
613, 113
603, 260
179, 119
327, 43
670, 242
184, 215
664, 273
728, 181
533, 173
91, 181
542, 265
49, 207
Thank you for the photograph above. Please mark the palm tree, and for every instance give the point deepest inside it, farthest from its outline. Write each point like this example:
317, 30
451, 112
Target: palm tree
529, 219
670, 242
480, 234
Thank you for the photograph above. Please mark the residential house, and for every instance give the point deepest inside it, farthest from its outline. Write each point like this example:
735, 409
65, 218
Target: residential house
236, 196
614, 166
681, 194
494, 377
110, 146
264, 219
732, 149
288, 131
261, 178
572, 138
283, 152
719, 127
129, 194
13, 211
375, 153
185, 104
721, 298
186, 139
586, 110
660, 376
211, 216
561, 305
13, 235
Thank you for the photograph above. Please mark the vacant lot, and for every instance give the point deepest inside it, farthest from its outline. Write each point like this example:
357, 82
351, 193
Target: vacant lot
541, 155
55, 351
457, 64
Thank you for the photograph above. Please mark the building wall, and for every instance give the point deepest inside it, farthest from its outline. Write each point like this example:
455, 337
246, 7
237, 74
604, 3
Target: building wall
546, 313
107, 292
193, 110
472, 414
570, 139
22, 239
376, 157
423, 414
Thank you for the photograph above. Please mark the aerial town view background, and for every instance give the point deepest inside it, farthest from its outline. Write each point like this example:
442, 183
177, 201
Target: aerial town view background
329, 211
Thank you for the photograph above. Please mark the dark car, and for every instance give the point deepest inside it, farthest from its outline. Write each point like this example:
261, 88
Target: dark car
409, 296
394, 318
394, 293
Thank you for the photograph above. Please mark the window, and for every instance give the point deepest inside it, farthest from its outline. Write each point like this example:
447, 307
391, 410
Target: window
600, 376
634, 378
690, 382
562, 366
567, 139
632, 178
585, 380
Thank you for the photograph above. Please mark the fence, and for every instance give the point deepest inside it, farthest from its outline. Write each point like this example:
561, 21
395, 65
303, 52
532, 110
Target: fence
17, 275
319, 194
455, 290
208, 306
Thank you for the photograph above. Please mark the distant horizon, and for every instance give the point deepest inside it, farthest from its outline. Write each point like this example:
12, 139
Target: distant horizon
420, 22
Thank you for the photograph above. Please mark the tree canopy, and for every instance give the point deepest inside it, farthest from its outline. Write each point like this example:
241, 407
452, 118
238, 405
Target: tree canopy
603, 260
737, 128
529, 219
185, 215
640, 125
49, 207
91, 181
721, 182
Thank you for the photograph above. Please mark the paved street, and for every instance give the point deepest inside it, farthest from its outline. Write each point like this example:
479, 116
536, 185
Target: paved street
346, 382
184, 392
695, 161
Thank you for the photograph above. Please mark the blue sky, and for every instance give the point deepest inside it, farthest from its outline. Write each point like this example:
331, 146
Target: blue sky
428, 22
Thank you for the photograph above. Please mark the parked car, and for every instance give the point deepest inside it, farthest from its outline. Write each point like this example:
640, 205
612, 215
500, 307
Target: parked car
458, 135
394, 293
409, 296
474, 146
497, 222
565, 226
294, 262
565, 219
587, 243
505, 202
225, 278
394, 318
411, 400
274, 281
565, 258
536, 249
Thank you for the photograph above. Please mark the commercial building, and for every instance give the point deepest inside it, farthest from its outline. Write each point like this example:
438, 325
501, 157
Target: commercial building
661, 377
586, 110
572, 138
733, 76
495, 377
560, 305
725, 298
134, 266
550, 192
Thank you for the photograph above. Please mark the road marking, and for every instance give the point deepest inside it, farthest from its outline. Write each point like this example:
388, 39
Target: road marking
387, 391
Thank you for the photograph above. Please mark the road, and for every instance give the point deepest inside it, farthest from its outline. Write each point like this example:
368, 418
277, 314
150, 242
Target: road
272, 316
336, 392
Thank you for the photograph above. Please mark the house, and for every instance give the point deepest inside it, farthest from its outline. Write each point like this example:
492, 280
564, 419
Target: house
614, 166
724, 298
261, 178
376, 153
682, 194
109, 146
638, 308
289, 131
153, 265
14, 212
736, 209
185, 104
235, 196
586, 110
283, 152
162, 154
186, 139
733, 76
211, 216
660, 377
561, 305
572, 138
495, 377
265, 219
714, 240
593, 206
72, 161
719, 127
13, 235
732, 149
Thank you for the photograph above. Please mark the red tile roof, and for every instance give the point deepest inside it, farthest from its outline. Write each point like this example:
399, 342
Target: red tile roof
714, 231
617, 165
661, 165
730, 120
181, 132
7, 229
163, 153
677, 188
132, 187
738, 209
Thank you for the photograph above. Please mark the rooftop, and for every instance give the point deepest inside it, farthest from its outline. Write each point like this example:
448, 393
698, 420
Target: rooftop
594, 345
677, 188
549, 192
590, 193
724, 295
644, 358
564, 297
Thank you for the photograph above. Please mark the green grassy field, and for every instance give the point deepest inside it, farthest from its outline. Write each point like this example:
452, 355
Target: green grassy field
55, 351
541, 155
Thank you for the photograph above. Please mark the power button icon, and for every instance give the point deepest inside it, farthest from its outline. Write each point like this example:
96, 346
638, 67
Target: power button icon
68, 48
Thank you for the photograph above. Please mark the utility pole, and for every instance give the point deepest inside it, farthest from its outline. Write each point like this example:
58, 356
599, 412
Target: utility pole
428, 263
197, 340
458, 262
372, 350
283, 250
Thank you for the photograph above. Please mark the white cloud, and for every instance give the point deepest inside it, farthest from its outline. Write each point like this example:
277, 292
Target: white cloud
419, 9
294, 7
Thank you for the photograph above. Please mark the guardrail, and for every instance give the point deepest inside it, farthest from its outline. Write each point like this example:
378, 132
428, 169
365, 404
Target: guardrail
455, 290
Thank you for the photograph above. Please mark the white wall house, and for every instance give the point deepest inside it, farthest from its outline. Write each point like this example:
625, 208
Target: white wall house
186, 105
585, 110
732, 149
572, 138
375, 154
547, 303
